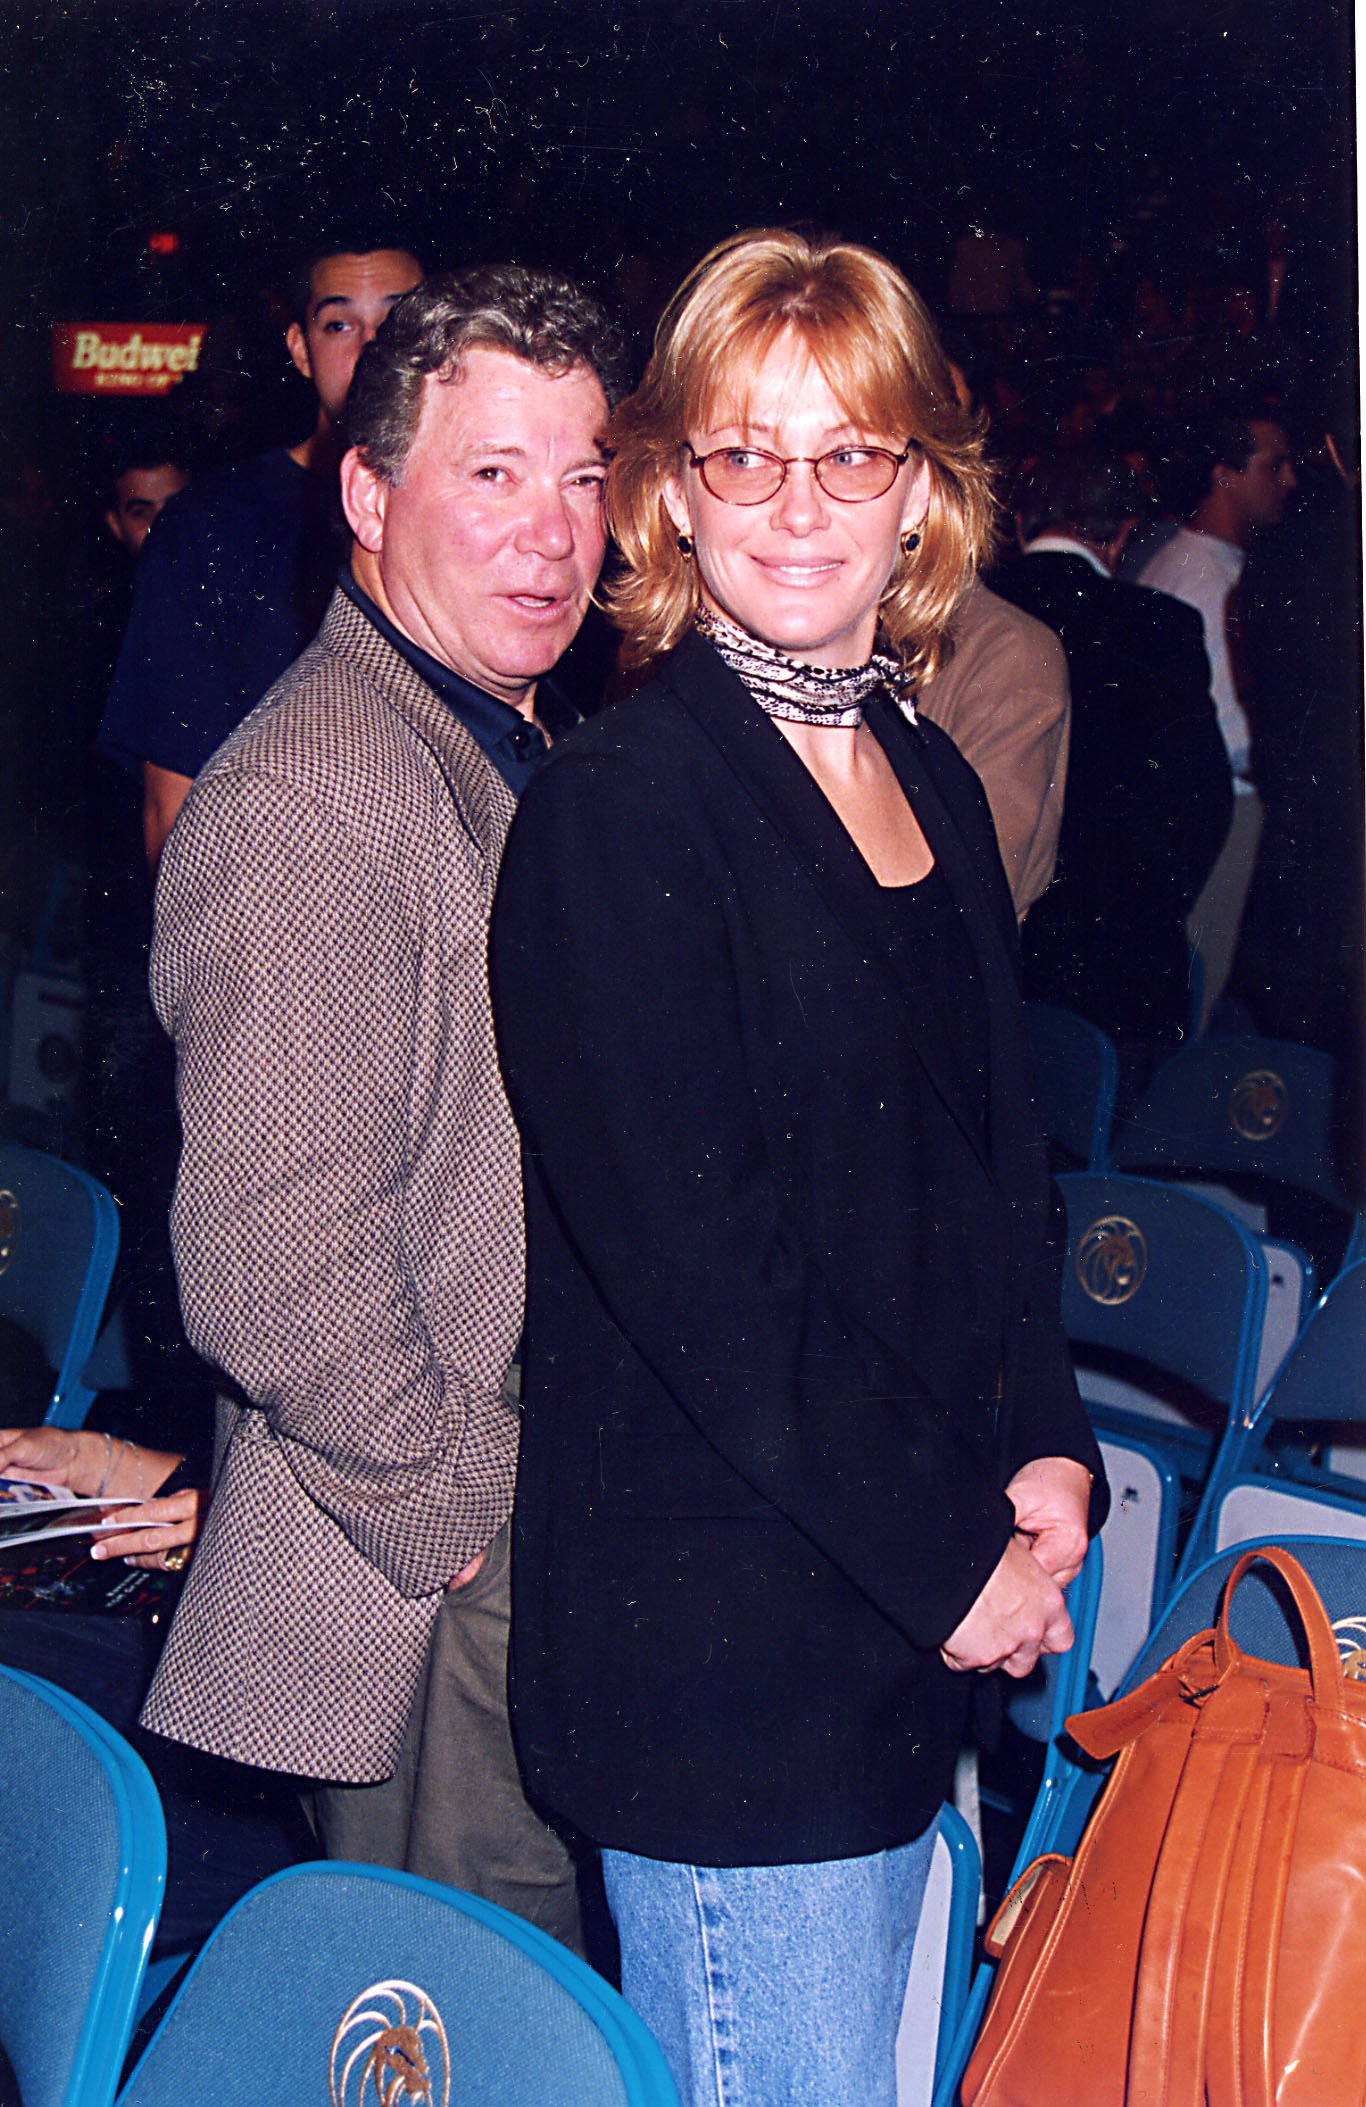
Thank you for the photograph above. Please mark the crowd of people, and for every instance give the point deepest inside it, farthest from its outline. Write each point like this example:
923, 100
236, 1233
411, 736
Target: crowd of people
626, 1104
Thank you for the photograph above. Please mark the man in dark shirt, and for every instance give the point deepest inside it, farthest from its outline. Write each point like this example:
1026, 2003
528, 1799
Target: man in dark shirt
239, 570
1149, 794
348, 1224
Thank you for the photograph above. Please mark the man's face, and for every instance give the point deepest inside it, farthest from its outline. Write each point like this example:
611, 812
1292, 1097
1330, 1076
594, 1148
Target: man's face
349, 296
1262, 489
139, 494
487, 550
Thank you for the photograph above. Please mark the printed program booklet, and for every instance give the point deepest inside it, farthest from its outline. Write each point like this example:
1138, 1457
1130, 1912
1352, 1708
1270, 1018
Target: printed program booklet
32, 1512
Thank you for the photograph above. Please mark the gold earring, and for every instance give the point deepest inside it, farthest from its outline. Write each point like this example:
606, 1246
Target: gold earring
910, 542
685, 546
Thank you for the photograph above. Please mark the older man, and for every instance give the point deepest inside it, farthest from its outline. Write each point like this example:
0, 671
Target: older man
347, 1221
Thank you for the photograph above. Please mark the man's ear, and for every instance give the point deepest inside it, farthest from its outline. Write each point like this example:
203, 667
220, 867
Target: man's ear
365, 497
298, 350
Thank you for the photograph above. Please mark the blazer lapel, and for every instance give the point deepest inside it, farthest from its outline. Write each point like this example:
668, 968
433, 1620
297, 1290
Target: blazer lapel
790, 798
483, 802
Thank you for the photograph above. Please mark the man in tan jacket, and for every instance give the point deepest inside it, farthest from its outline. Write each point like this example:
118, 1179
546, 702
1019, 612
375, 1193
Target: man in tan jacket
347, 1222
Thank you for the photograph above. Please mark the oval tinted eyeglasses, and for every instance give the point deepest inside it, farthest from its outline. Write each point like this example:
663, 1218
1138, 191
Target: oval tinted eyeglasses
746, 475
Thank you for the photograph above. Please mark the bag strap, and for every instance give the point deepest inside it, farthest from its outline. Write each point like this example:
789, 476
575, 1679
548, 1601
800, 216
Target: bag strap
1105, 1729
1325, 1665
1110, 1727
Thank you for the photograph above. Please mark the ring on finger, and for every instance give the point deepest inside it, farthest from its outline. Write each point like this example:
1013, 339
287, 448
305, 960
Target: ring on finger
175, 1561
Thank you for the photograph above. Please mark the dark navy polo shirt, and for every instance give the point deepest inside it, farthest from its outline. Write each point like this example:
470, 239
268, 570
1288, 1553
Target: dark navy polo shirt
515, 747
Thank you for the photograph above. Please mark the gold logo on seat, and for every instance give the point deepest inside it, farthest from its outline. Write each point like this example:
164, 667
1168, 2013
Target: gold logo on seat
1258, 1104
1350, 1633
390, 2050
1112, 1259
9, 1228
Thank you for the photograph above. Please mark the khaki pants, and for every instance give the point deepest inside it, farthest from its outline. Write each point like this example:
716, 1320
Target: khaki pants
454, 1809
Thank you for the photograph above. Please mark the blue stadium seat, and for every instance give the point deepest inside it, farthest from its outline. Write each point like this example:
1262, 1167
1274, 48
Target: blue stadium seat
1261, 1113
84, 1852
1164, 1302
339, 1982
941, 1964
59, 1238
1076, 1076
1262, 1483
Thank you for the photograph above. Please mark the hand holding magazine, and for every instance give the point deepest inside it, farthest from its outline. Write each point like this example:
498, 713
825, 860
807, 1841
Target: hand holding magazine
139, 1504
29, 1513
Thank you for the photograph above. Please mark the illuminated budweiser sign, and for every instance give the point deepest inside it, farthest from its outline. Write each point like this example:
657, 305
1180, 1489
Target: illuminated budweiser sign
123, 358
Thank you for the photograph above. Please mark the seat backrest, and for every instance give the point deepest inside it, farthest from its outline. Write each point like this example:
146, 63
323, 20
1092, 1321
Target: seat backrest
1320, 1385
1263, 1108
1290, 1285
59, 1238
1164, 1278
1076, 1076
1321, 1379
83, 1845
1139, 1540
344, 1976
941, 1960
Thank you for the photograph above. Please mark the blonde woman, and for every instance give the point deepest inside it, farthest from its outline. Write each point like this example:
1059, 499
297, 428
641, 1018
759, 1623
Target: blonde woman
801, 1447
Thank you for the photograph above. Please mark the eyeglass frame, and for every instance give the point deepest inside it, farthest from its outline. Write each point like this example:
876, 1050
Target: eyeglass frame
811, 461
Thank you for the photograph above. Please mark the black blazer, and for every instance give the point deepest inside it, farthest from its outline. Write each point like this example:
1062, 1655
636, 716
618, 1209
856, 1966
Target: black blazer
791, 1325
1149, 798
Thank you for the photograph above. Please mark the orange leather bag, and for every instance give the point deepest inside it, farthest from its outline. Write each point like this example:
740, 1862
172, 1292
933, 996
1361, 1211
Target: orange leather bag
1206, 1947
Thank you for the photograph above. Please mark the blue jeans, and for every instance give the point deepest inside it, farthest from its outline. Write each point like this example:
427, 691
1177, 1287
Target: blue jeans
772, 1986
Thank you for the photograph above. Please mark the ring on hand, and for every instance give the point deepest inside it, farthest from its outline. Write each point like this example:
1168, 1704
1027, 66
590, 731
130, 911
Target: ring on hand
175, 1561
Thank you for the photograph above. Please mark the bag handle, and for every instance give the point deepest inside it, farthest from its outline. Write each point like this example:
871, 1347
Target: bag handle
1325, 1666
1110, 1727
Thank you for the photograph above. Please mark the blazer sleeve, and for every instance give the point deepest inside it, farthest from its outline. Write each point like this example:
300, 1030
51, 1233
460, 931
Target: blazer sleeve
280, 968
619, 1020
1003, 699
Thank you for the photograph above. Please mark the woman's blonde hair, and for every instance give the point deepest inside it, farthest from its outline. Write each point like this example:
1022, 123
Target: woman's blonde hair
873, 340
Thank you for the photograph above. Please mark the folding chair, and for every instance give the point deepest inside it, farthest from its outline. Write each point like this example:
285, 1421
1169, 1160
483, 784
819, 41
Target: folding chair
1291, 1282
1076, 1075
1259, 1112
1139, 1545
1259, 1486
84, 1852
1113, 1601
59, 1238
1261, 1624
1164, 1301
941, 1963
351, 1983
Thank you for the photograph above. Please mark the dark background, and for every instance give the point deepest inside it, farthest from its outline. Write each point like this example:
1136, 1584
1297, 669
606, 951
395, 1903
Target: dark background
621, 140
1142, 140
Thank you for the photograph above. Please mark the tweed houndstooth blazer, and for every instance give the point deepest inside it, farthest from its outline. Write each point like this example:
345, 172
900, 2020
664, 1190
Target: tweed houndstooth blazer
347, 1218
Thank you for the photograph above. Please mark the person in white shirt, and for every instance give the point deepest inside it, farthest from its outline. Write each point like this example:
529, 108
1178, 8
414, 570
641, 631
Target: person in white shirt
1249, 479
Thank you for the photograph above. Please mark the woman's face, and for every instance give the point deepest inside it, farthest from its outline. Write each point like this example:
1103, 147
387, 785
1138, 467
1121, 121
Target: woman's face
802, 571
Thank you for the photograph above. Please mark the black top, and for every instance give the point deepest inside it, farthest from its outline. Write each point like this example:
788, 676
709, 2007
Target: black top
235, 579
515, 746
792, 1319
928, 949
